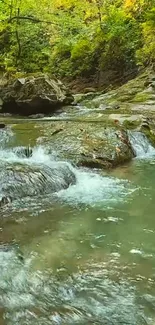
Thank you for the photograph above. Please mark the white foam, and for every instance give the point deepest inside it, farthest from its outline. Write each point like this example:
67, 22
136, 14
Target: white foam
39, 156
92, 188
136, 251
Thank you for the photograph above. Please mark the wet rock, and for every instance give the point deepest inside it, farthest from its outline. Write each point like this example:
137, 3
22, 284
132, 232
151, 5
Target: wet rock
23, 152
5, 200
115, 106
57, 131
145, 126
33, 95
92, 144
129, 121
103, 107
78, 98
153, 84
148, 128
21, 180
150, 81
28, 152
2, 126
36, 116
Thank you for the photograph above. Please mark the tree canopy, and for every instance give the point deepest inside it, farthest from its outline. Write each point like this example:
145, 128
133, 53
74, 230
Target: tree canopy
73, 38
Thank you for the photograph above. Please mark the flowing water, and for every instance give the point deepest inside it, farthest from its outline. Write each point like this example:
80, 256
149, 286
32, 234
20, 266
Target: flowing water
83, 254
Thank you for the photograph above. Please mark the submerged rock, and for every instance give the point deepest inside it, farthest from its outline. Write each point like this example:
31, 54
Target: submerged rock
33, 95
23, 152
11, 248
18, 180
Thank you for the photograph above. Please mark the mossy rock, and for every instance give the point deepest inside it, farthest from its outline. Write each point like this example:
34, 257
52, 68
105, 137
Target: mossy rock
131, 125
134, 91
91, 144
141, 97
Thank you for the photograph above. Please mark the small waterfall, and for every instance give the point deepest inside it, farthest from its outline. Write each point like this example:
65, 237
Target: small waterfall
41, 173
141, 145
28, 155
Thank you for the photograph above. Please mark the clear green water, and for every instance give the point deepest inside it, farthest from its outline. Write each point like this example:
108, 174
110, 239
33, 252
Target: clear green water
89, 251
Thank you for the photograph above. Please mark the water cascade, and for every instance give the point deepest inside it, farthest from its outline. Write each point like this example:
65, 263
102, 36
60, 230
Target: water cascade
141, 145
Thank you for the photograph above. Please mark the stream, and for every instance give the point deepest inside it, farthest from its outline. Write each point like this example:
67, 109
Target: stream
83, 254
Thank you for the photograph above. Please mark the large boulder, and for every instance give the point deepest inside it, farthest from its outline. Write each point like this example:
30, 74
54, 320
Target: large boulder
21, 180
90, 144
32, 95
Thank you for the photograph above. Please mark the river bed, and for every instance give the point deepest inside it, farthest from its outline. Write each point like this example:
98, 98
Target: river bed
88, 251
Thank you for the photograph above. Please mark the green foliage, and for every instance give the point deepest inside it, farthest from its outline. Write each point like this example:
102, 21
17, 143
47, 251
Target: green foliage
77, 37
117, 41
146, 54
82, 57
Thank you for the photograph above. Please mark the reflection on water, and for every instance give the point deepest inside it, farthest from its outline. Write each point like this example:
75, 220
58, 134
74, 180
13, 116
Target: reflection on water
88, 251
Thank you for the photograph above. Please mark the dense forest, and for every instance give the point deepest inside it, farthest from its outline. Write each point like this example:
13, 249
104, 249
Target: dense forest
90, 39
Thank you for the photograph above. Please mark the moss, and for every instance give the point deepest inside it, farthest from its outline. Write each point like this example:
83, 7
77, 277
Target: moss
124, 97
131, 125
141, 97
150, 134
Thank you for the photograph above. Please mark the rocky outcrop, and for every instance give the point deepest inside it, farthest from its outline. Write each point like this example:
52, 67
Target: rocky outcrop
21, 180
33, 95
136, 95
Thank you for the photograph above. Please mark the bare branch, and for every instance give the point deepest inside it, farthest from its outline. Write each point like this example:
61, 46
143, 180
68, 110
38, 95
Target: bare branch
34, 20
